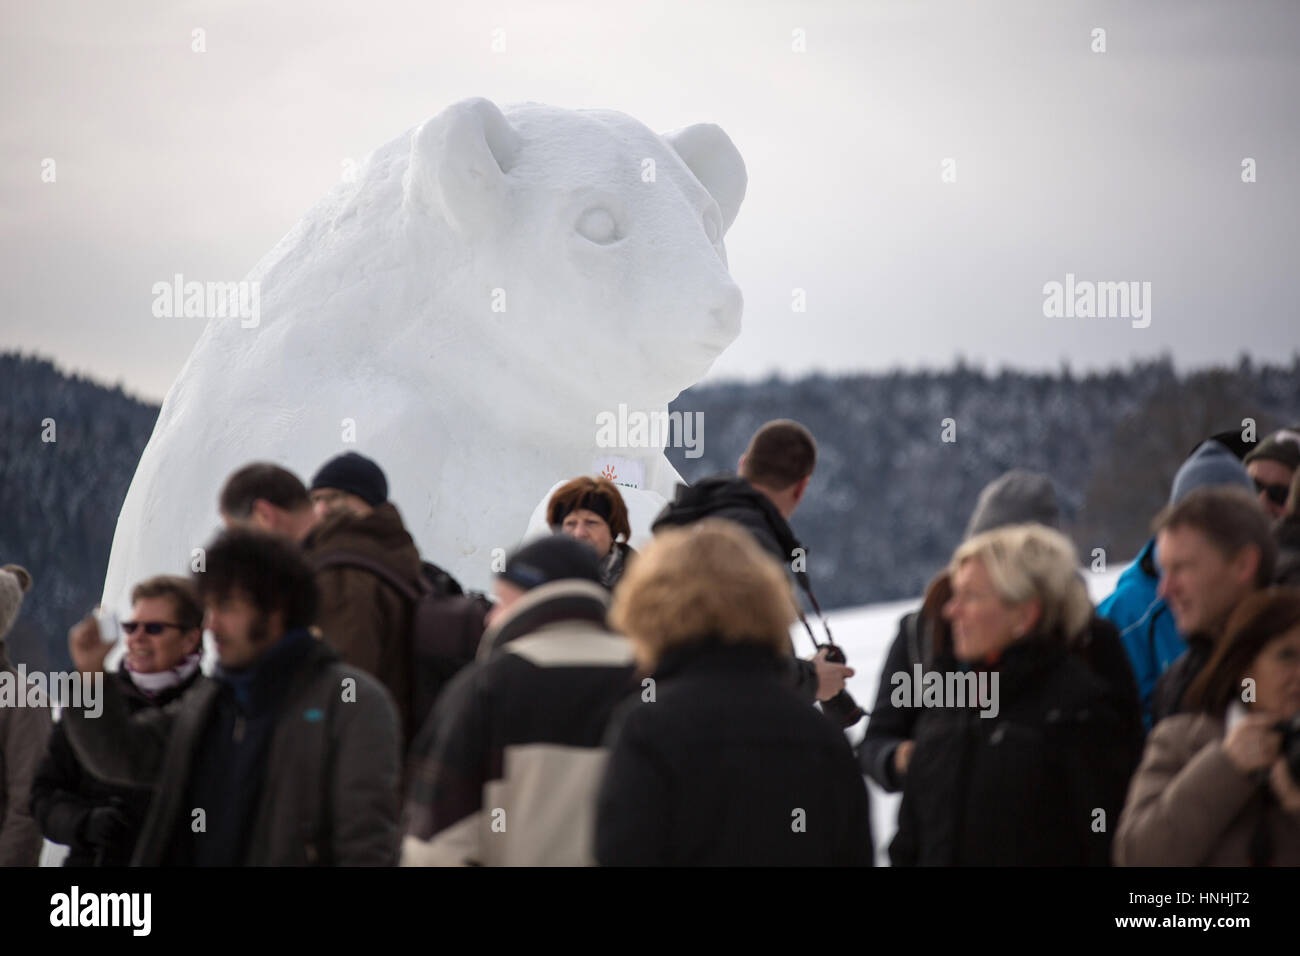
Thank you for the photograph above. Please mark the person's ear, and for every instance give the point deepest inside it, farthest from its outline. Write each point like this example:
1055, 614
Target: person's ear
1028, 614
800, 487
740, 464
263, 514
194, 640
1245, 565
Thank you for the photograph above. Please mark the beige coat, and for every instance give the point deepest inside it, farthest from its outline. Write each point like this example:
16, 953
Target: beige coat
24, 732
1188, 805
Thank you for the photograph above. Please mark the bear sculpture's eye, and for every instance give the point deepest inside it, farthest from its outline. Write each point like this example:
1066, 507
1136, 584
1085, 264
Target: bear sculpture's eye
598, 225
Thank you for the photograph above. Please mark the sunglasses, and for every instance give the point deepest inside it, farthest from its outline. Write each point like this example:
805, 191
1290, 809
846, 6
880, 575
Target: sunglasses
1276, 493
150, 627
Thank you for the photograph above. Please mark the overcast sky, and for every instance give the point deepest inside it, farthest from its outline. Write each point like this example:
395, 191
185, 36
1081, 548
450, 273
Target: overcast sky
1123, 165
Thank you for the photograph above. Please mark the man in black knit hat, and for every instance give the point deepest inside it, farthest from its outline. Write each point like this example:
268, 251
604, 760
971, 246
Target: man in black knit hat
362, 615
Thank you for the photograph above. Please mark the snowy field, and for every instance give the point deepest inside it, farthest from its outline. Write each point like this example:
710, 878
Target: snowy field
865, 634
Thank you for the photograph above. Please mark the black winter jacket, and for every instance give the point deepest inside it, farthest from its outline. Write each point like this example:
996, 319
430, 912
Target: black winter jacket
888, 725
729, 766
1022, 788
64, 793
735, 499
921, 636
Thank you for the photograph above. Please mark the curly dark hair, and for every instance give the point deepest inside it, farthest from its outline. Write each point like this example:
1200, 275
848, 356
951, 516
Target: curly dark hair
269, 570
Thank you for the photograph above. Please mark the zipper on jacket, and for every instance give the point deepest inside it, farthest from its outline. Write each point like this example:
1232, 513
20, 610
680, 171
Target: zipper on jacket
238, 735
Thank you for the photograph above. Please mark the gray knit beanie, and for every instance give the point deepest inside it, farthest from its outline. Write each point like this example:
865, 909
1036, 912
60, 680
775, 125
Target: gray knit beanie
1211, 464
1018, 497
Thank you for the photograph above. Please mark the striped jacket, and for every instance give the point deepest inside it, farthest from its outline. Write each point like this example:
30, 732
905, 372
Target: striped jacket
506, 770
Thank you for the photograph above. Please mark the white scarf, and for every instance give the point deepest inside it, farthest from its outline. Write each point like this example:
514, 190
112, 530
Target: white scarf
151, 685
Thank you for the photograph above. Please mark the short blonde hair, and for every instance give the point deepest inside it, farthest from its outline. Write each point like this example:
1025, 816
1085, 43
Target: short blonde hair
1031, 561
707, 581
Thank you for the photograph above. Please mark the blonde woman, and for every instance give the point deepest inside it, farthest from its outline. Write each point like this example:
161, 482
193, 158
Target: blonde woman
719, 761
1018, 758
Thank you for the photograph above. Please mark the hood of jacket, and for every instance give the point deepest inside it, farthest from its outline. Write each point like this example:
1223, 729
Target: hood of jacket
729, 496
547, 604
1142, 569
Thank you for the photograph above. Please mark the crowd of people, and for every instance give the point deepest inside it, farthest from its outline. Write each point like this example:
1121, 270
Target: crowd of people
611, 707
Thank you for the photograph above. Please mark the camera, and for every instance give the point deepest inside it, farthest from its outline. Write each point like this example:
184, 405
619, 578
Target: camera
842, 707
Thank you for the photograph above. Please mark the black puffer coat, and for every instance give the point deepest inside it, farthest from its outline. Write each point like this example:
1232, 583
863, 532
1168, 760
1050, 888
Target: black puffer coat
1039, 784
733, 498
727, 766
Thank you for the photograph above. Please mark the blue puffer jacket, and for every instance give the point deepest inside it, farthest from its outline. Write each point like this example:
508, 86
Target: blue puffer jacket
1145, 624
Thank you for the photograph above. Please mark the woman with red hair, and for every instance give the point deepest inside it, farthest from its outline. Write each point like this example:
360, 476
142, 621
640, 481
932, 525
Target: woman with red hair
592, 511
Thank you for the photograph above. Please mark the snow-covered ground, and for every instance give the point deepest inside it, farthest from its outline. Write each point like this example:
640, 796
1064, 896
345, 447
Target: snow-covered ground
865, 634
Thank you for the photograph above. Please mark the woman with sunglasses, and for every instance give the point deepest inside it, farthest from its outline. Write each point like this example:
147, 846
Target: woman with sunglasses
99, 822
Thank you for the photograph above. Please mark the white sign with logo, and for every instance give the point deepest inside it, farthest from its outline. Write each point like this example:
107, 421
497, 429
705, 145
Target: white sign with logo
624, 472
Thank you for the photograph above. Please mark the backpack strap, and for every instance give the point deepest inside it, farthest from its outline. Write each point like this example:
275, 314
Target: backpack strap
357, 559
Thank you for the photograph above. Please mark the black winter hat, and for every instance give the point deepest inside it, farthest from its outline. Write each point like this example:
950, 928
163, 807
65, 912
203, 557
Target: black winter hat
556, 558
355, 474
1282, 446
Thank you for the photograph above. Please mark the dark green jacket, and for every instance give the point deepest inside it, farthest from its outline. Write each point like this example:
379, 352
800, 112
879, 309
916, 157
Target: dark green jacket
330, 794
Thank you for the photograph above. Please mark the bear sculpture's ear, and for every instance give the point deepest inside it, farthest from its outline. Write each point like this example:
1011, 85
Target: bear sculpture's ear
459, 161
711, 155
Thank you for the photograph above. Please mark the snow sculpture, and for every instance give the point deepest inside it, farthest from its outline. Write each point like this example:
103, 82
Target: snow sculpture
462, 312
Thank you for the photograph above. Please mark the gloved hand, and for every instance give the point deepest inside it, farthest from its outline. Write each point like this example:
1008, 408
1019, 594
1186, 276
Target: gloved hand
106, 826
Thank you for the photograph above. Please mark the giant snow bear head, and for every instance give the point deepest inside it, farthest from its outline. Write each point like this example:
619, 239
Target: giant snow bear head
606, 239
577, 240
480, 290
